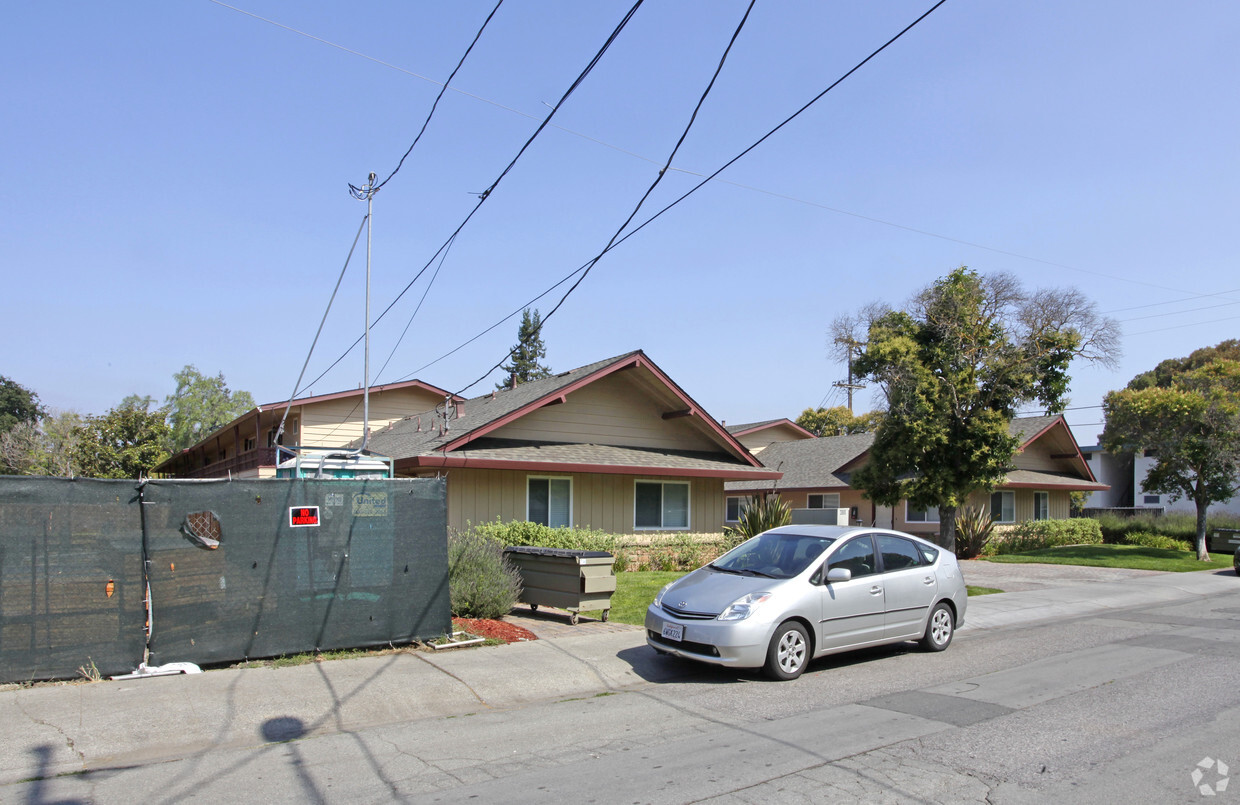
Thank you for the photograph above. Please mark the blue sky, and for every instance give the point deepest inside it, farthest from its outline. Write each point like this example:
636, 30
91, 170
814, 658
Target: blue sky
176, 185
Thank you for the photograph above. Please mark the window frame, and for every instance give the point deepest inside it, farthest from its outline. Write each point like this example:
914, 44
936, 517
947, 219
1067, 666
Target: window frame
549, 478
662, 525
727, 501
822, 499
1004, 495
926, 511
1041, 505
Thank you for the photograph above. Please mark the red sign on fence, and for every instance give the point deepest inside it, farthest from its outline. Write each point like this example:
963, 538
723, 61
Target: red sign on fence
302, 516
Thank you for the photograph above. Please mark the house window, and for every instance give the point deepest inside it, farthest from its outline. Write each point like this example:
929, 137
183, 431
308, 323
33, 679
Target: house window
1153, 500
1041, 506
1003, 507
661, 504
250, 443
733, 510
930, 514
549, 501
831, 501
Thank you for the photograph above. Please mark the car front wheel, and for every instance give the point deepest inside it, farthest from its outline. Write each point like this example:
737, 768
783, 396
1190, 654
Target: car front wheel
939, 629
788, 653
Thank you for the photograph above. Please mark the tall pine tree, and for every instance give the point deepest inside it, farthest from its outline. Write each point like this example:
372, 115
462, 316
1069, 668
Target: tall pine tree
524, 363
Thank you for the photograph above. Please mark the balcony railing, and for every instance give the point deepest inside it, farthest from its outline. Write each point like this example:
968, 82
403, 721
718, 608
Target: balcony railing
259, 457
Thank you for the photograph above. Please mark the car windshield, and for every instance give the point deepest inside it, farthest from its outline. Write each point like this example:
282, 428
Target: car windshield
773, 555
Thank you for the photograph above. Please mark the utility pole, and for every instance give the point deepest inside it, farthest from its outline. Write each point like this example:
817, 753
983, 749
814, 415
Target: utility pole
850, 385
367, 192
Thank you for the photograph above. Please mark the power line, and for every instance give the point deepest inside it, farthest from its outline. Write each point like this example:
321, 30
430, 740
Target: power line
706, 179
355, 190
1171, 301
487, 193
637, 208
315, 341
1182, 326
784, 196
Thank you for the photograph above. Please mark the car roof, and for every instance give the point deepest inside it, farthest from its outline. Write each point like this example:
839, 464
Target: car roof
838, 532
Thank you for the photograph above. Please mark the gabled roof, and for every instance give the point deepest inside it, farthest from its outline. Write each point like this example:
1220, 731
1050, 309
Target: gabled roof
809, 463
317, 398
753, 427
423, 442
821, 463
357, 392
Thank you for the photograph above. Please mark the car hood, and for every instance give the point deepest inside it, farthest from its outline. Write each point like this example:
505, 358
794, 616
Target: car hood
707, 591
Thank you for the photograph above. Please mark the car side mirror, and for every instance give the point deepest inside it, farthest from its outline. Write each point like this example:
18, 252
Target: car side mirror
839, 574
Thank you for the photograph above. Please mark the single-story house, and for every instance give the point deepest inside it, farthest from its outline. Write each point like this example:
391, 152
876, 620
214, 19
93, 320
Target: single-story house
246, 447
614, 445
1046, 469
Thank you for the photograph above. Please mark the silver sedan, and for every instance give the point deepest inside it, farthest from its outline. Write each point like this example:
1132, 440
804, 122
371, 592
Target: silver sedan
799, 592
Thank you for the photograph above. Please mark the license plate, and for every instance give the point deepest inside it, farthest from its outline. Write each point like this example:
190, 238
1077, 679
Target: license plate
674, 631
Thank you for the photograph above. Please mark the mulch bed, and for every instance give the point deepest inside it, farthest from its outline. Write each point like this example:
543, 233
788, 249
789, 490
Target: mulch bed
498, 630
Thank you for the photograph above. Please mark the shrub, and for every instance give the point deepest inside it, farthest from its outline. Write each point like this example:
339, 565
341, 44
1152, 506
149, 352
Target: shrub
762, 514
1148, 540
974, 528
1037, 534
481, 582
523, 532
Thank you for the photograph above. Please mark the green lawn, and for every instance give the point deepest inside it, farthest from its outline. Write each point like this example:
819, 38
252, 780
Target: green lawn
1130, 556
635, 590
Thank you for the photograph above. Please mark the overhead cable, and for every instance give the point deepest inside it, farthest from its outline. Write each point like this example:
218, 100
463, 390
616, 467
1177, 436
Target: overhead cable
482, 197
297, 385
616, 241
356, 191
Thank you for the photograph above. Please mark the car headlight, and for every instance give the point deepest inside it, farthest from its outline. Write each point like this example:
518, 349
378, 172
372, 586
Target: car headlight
742, 608
658, 598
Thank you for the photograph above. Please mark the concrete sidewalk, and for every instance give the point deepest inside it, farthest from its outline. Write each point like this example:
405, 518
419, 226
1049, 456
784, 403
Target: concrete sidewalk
66, 729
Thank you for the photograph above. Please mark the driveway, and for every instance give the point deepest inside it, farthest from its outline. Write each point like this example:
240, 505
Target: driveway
1013, 578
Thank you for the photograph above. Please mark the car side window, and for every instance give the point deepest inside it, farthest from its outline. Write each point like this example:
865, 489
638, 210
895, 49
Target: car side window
857, 555
898, 553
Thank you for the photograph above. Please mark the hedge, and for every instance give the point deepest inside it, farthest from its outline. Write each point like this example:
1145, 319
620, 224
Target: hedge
1037, 534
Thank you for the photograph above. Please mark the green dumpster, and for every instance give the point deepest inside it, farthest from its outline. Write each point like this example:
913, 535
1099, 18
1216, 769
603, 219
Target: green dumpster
566, 579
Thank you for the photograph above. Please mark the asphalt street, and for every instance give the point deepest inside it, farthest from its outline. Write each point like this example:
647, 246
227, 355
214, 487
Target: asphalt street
1080, 690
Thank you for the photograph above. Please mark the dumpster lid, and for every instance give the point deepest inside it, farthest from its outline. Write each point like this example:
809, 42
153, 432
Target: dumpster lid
565, 553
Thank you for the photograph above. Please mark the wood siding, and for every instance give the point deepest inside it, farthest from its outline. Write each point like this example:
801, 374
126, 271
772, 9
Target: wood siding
612, 411
336, 423
599, 501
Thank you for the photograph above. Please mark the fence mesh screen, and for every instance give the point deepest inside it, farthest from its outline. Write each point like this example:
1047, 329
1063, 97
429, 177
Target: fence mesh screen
232, 577
71, 589
237, 569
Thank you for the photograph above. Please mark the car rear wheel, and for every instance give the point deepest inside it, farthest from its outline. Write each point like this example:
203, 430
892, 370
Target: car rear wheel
939, 629
788, 653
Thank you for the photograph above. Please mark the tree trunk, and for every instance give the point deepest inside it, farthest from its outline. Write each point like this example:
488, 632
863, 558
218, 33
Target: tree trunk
1202, 506
947, 528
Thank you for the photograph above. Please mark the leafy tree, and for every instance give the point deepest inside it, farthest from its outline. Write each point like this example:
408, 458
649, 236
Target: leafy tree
1187, 413
199, 406
837, 421
1164, 374
43, 448
17, 404
126, 442
527, 353
954, 367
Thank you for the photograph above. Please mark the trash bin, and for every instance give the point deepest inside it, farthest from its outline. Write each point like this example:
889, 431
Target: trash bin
567, 579
1223, 540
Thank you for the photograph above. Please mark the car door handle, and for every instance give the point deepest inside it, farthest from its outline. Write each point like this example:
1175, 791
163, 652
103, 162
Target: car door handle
928, 580
876, 590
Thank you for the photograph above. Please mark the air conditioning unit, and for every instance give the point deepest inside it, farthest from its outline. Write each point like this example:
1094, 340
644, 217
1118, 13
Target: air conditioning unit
820, 516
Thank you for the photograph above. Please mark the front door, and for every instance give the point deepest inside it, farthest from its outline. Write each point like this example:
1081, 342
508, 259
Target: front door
909, 584
853, 610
